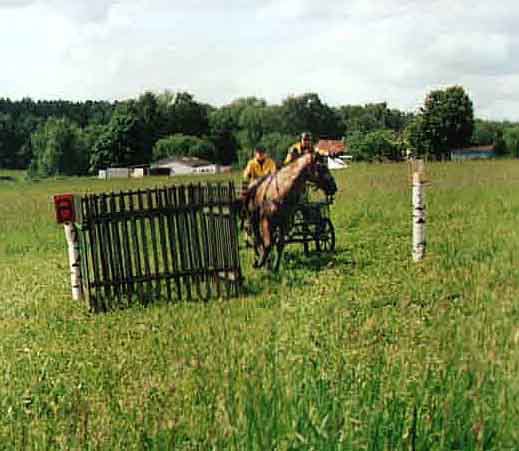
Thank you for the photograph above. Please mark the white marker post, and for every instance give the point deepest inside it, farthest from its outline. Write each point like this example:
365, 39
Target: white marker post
419, 241
66, 215
74, 260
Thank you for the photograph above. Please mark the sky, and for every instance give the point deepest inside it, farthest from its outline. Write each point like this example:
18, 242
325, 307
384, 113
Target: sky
349, 52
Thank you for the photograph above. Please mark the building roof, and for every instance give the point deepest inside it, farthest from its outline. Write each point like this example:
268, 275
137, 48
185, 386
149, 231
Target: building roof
331, 146
192, 162
489, 148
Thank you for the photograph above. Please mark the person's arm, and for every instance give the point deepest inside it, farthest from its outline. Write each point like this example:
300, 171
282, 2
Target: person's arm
292, 154
247, 173
272, 167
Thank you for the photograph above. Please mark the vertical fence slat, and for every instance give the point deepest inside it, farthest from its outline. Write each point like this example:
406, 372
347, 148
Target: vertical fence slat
83, 243
118, 258
104, 289
183, 239
157, 268
135, 246
144, 238
174, 243
204, 190
108, 247
163, 242
235, 240
126, 247
195, 203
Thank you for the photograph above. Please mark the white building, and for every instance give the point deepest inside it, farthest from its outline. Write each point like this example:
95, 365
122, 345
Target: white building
337, 162
114, 173
187, 165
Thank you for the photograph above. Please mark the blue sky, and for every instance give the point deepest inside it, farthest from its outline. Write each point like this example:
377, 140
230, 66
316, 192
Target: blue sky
350, 52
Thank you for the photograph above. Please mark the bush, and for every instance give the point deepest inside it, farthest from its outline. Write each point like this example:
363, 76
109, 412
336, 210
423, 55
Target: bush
179, 145
377, 145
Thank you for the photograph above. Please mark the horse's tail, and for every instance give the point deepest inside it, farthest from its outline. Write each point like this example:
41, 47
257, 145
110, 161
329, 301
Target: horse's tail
247, 201
242, 203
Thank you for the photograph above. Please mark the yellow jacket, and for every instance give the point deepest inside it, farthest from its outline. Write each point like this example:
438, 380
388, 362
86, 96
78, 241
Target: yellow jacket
256, 170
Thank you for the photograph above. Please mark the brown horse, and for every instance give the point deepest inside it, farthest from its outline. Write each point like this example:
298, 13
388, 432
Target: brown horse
269, 202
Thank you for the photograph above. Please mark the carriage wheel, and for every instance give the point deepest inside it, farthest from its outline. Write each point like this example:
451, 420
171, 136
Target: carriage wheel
326, 239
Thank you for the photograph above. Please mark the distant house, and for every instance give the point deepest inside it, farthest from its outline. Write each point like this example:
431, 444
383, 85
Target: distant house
139, 170
186, 165
114, 173
473, 153
331, 147
335, 151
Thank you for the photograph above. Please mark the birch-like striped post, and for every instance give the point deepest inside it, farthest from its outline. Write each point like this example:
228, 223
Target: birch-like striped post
74, 259
419, 242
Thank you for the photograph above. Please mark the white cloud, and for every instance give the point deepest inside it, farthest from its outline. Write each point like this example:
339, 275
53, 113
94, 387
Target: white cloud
349, 52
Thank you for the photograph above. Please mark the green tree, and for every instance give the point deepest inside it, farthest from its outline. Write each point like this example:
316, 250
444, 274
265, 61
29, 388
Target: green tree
253, 125
308, 113
179, 145
447, 121
223, 125
370, 117
118, 143
189, 116
148, 126
58, 149
378, 145
8, 141
415, 139
489, 133
511, 138
277, 145
484, 132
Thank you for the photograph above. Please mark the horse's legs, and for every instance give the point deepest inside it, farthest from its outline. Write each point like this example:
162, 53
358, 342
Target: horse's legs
266, 237
280, 245
258, 242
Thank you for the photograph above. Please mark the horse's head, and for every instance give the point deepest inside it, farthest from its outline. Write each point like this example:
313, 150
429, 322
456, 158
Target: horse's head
319, 174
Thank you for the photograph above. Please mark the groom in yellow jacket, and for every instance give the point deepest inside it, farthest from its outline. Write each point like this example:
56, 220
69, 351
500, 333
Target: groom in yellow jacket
259, 166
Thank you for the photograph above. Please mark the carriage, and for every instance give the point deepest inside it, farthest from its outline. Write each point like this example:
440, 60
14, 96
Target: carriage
311, 226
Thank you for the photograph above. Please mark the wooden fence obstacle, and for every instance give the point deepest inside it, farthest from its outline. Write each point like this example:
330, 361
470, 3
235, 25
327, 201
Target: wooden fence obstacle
174, 243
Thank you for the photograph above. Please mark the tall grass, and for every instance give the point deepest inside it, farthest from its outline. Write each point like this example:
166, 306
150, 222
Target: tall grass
359, 350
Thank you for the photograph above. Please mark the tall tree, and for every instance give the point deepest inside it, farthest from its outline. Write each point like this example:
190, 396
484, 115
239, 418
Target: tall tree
511, 138
447, 120
308, 113
190, 117
58, 149
223, 126
118, 144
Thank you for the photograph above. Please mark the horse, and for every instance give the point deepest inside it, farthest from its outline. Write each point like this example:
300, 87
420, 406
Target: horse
269, 202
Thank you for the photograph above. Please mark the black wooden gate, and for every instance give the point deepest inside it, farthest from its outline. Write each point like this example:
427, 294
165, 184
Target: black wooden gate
178, 242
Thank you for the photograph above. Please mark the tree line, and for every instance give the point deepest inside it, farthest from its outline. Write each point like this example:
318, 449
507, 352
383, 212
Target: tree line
74, 138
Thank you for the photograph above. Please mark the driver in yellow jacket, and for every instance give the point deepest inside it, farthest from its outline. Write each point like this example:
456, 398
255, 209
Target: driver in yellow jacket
260, 166
300, 148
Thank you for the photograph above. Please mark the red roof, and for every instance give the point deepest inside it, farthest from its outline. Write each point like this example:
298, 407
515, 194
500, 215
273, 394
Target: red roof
331, 146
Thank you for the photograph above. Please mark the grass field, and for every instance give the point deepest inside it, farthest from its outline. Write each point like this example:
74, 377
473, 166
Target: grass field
360, 350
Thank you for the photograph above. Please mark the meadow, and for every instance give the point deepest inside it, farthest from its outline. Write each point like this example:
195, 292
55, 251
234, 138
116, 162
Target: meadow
362, 349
